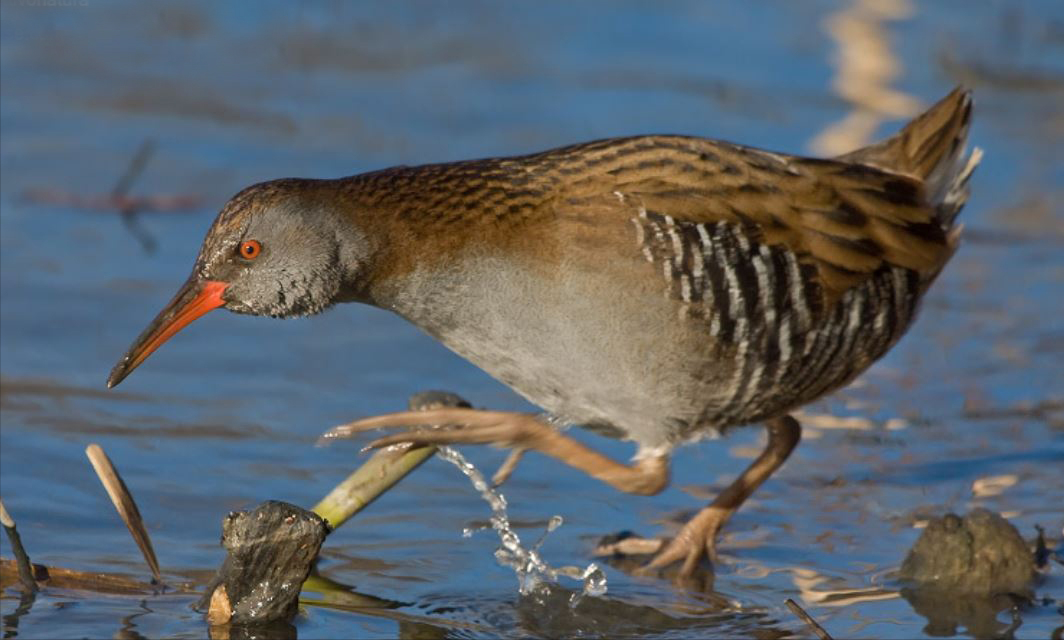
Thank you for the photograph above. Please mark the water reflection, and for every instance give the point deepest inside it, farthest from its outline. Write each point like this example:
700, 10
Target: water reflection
949, 613
129, 625
11, 620
865, 66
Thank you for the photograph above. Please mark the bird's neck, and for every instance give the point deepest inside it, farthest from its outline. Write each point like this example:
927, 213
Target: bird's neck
426, 227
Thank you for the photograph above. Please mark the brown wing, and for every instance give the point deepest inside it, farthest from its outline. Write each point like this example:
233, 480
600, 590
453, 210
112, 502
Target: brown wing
842, 221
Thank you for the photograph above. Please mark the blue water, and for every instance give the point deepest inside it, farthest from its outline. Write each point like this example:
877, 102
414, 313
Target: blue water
226, 415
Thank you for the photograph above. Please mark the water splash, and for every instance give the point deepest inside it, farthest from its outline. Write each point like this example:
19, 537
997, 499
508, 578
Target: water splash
533, 573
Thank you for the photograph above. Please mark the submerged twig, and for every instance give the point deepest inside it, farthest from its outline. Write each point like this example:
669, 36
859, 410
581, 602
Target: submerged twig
160, 203
1041, 549
334, 595
114, 584
129, 212
119, 200
124, 504
807, 619
25, 567
136, 167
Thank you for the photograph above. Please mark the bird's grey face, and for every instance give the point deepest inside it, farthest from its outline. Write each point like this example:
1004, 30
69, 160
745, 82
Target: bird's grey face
274, 250
279, 258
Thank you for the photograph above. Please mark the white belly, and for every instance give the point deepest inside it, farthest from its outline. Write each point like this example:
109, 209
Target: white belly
561, 345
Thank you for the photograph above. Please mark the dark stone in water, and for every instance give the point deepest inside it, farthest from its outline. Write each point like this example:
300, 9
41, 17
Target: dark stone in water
271, 549
978, 554
425, 400
963, 572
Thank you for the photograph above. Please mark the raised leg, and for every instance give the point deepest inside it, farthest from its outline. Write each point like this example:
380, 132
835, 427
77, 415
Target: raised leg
520, 431
697, 538
647, 476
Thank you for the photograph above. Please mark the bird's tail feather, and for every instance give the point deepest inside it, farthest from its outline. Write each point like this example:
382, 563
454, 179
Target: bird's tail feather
934, 148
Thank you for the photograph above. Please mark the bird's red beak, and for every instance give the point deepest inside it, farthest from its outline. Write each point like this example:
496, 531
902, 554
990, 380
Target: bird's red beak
195, 298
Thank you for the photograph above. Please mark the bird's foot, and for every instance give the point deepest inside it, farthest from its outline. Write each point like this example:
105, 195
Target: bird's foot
455, 425
449, 426
695, 544
519, 431
693, 549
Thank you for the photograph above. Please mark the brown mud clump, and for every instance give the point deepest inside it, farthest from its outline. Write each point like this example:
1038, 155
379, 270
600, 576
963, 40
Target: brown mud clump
965, 571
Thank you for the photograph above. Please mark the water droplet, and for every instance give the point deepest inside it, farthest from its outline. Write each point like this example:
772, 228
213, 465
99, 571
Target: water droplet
533, 573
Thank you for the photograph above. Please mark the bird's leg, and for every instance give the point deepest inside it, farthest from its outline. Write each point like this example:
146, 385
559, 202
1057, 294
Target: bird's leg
520, 431
697, 538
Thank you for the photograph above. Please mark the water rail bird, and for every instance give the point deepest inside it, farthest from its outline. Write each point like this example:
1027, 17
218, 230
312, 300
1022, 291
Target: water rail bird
660, 288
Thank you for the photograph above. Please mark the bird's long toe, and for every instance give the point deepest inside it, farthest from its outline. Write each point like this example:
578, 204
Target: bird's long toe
442, 426
695, 545
399, 419
458, 434
681, 560
626, 544
689, 553
508, 466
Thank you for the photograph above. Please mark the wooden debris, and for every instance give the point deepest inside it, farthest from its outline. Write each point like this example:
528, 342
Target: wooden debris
384, 468
61, 578
808, 620
22, 559
119, 200
271, 549
125, 505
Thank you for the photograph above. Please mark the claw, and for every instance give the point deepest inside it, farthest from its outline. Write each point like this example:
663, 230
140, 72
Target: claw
630, 546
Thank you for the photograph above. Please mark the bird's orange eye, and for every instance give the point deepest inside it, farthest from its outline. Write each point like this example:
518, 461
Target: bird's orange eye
250, 249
